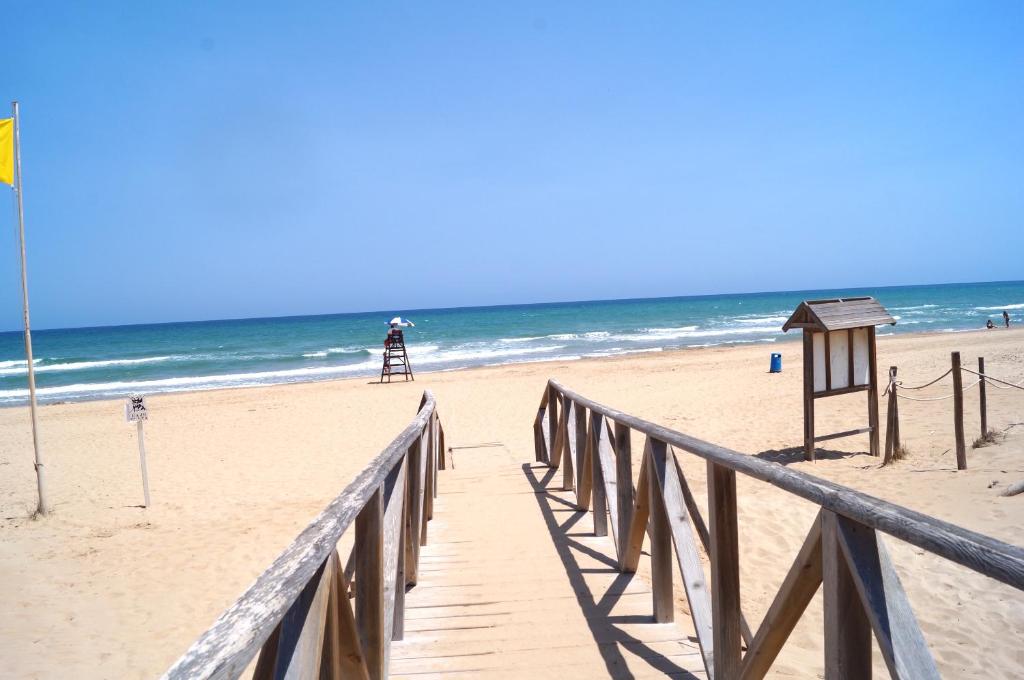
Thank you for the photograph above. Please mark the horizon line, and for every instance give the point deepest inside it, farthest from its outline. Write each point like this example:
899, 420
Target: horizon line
411, 310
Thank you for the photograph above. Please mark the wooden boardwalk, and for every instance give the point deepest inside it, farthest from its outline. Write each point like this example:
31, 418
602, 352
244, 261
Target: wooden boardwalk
513, 583
507, 577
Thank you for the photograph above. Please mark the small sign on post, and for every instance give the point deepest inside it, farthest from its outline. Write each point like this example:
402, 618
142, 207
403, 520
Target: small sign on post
135, 411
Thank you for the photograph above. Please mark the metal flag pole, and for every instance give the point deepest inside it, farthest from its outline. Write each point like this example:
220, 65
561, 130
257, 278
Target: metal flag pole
44, 506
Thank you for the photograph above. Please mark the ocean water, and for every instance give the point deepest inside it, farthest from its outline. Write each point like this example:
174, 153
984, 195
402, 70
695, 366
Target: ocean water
92, 363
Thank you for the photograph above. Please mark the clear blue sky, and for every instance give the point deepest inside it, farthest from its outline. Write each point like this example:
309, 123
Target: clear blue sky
185, 161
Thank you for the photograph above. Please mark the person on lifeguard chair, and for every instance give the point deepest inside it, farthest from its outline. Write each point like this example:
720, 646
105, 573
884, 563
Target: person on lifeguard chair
394, 335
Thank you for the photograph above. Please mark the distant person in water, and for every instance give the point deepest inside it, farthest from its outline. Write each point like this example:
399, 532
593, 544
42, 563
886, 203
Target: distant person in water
1006, 318
990, 325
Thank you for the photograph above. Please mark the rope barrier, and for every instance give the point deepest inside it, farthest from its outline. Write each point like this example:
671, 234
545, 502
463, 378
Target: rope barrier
921, 387
1019, 386
948, 396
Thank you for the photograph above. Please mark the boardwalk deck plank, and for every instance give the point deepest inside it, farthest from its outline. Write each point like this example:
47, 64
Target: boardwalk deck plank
539, 599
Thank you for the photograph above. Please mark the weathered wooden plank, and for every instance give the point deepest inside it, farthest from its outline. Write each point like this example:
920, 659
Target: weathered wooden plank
796, 592
725, 570
600, 504
604, 464
300, 646
839, 435
663, 472
403, 558
580, 437
983, 554
624, 488
661, 543
554, 402
847, 631
369, 551
888, 610
560, 427
412, 511
702, 531
572, 444
394, 504
442, 452
842, 390
641, 511
584, 466
343, 656
545, 434
429, 486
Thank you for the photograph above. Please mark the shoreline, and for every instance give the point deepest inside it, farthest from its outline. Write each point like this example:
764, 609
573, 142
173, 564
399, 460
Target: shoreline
778, 341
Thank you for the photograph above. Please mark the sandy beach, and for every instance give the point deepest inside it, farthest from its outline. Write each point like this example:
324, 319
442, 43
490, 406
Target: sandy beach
103, 588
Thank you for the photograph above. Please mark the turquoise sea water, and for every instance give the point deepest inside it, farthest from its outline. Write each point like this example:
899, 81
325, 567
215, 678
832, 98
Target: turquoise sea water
90, 363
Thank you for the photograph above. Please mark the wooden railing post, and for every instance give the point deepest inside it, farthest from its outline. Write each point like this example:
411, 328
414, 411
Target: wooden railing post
553, 398
574, 480
584, 467
539, 443
958, 413
342, 655
847, 629
624, 495
661, 543
412, 515
430, 484
725, 570
442, 452
572, 445
597, 425
981, 397
369, 552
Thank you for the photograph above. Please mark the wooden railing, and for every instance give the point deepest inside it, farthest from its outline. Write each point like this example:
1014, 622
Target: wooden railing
843, 549
298, 615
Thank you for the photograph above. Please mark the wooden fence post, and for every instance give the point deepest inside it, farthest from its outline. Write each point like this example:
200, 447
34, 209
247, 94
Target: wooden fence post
958, 413
984, 406
892, 420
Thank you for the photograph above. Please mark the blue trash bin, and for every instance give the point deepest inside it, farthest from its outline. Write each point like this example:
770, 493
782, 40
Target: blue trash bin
776, 363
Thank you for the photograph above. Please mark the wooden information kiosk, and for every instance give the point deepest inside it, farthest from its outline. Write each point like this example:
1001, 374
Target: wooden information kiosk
839, 358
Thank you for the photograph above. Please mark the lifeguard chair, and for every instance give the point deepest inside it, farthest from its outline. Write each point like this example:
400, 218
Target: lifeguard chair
396, 358
839, 358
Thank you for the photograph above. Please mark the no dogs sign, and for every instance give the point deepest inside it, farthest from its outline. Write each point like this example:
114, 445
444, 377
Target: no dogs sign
135, 408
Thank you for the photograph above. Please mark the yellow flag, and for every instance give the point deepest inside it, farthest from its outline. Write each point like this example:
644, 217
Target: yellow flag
7, 150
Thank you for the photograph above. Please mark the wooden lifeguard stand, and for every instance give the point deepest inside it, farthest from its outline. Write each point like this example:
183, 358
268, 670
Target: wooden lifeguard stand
396, 359
839, 358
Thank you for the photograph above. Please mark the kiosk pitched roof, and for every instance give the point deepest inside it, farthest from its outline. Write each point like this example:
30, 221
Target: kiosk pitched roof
839, 314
